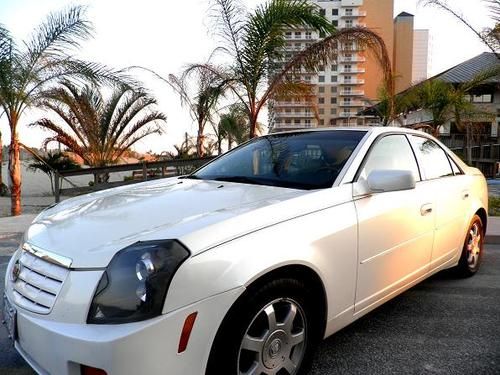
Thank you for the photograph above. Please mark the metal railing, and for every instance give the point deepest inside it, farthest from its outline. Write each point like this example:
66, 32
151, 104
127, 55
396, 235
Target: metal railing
140, 172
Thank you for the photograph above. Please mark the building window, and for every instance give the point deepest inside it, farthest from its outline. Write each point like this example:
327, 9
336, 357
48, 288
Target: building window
348, 12
298, 34
335, 12
288, 34
333, 100
485, 98
321, 100
321, 68
333, 111
288, 121
335, 23
348, 23
321, 111
296, 121
322, 122
321, 89
347, 68
307, 122
334, 68
333, 78
321, 78
333, 89
308, 35
322, 12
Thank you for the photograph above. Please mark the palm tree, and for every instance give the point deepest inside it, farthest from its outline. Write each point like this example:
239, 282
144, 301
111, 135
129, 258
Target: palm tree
233, 127
51, 163
202, 105
256, 42
27, 69
100, 130
490, 36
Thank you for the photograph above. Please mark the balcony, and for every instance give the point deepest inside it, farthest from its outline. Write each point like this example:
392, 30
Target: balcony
352, 93
351, 3
352, 82
351, 104
293, 115
352, 71
291, 104
359, 13
353, 59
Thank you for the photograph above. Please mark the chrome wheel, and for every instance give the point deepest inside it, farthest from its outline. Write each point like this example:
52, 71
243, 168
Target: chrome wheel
275, 340
474, 245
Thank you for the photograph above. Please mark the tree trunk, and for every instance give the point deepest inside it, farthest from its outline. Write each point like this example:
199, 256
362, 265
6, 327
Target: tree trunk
1, 160
253, 125
14, 170
468, 146
199, 143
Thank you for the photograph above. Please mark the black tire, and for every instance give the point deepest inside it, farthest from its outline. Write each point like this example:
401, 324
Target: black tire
468, 264
225, 356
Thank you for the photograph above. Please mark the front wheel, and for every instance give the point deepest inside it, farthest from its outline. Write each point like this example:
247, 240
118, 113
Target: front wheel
269, 332
472, 252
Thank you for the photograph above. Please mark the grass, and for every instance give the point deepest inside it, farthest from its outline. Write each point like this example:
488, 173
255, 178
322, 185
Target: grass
494, 206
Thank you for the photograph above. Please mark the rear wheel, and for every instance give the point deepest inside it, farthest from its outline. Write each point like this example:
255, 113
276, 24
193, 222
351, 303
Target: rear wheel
271, 332
472, 252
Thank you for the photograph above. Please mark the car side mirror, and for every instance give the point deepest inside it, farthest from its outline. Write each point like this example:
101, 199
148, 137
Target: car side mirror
384, 180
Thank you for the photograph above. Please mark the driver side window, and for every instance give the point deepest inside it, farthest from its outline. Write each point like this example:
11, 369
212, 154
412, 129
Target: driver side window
393, 152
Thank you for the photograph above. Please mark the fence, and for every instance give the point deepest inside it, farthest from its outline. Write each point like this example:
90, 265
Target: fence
140, 172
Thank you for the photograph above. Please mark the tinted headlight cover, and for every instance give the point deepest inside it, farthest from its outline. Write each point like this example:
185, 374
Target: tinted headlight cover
134, 285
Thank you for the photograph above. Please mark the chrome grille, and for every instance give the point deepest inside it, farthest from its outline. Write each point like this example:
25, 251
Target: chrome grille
38, 283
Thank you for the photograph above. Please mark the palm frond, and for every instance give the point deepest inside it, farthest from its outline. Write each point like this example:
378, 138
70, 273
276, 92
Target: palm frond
59, 33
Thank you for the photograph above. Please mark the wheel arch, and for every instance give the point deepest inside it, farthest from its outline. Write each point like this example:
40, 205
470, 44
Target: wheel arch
484, 217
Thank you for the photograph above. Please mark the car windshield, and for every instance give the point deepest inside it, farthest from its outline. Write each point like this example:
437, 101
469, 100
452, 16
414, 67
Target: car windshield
303, 160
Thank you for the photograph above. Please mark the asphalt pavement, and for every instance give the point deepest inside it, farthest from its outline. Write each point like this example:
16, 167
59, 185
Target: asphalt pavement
441, 326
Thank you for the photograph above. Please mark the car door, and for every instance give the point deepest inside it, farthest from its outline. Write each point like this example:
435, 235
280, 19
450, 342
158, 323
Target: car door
449, 186
395, 228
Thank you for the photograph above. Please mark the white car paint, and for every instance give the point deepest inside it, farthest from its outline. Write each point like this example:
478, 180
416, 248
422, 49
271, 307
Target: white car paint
362, 246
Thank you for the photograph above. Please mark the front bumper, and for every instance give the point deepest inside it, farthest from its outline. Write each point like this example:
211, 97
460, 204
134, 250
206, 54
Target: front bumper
148, 347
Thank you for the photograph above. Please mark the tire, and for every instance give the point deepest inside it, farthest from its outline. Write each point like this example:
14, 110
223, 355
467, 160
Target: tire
472, 252
248, 339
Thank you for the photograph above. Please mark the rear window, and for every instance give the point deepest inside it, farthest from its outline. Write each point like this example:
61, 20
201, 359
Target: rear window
432, 158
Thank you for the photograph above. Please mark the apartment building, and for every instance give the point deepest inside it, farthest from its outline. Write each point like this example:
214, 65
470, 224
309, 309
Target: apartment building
348, 84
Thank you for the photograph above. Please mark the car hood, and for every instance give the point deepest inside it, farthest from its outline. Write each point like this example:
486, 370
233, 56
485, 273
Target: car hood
90, 229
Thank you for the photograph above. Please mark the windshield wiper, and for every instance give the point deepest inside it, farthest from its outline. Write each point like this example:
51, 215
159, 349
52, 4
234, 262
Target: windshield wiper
191, 177
241, 179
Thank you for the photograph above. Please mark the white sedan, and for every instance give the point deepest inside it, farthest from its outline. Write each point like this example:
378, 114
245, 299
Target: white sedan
245, 265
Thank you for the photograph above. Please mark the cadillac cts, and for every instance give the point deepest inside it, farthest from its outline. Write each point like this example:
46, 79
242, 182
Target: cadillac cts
244, 265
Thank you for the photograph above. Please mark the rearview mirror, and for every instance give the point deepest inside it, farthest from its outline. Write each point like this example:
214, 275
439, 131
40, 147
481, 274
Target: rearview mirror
380, 181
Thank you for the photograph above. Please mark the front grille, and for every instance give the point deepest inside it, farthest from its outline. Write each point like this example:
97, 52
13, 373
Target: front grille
38, 283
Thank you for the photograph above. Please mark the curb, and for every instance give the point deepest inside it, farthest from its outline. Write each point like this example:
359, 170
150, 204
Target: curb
492, 240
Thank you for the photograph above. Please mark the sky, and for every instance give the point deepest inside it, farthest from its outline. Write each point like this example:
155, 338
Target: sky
165, 35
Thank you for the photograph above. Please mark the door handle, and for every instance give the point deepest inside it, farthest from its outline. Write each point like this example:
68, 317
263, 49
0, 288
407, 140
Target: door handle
426, 209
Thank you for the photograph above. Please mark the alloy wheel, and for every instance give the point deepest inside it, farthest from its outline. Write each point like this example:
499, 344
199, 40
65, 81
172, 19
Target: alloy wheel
275, 341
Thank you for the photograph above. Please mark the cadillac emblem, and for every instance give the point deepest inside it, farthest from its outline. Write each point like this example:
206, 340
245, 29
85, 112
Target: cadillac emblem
16, 271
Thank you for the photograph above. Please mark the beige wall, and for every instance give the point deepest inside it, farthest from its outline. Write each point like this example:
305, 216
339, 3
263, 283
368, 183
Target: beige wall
379, 18
403, 52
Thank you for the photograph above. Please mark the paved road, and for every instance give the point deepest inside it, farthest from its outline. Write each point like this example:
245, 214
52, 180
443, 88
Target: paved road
442, 326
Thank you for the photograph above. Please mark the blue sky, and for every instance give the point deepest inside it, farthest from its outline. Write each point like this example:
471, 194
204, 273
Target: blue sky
165, 35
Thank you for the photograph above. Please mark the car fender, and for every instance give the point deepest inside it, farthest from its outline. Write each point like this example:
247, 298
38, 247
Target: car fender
325, 241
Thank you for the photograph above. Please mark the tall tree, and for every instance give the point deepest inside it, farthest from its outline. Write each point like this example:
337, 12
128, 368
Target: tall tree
51, 163
256, 44
100, 129
27, 69
202, 104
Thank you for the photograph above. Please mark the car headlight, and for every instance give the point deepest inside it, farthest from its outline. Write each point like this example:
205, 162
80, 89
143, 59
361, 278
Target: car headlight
134, 285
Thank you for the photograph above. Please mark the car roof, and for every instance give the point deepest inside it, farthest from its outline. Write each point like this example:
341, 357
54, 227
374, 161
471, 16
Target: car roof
370, 129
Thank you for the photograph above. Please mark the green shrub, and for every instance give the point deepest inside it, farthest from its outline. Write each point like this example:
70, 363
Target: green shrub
494, 206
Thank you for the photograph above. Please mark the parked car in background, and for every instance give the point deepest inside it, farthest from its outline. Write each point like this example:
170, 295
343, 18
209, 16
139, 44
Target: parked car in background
245, 265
